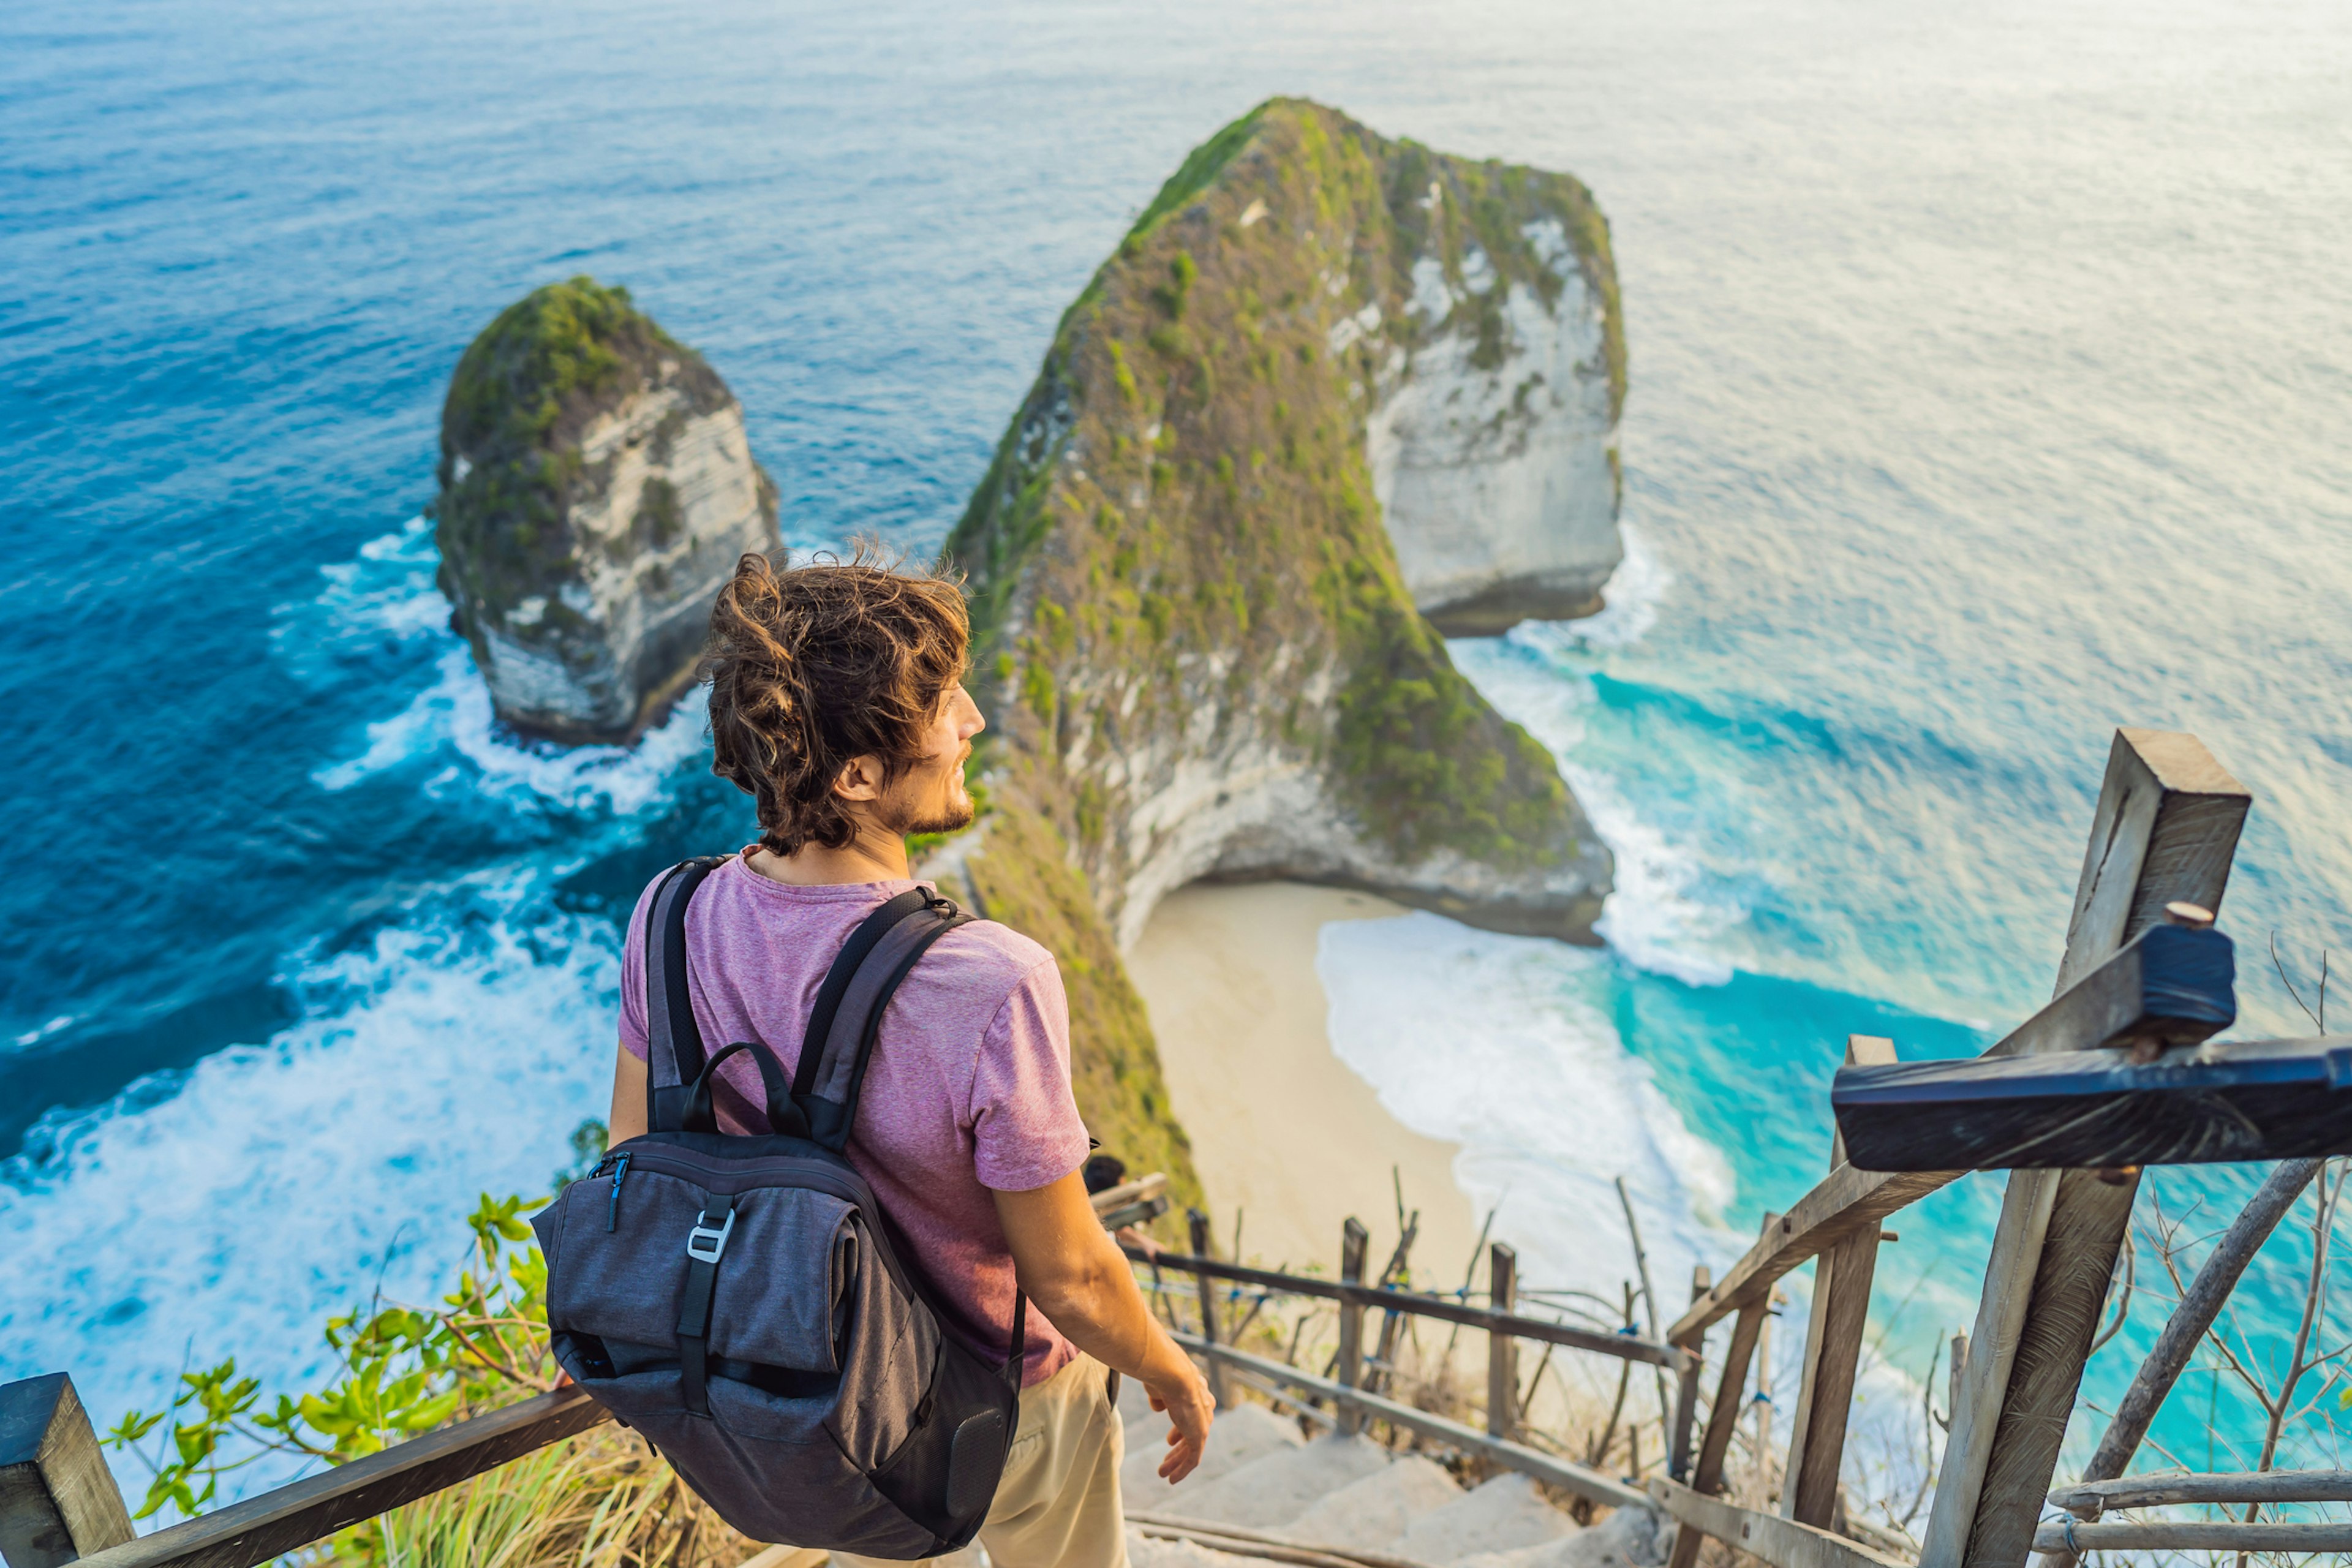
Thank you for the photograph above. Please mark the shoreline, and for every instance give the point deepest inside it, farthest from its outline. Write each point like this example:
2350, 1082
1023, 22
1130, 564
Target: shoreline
1286, 1137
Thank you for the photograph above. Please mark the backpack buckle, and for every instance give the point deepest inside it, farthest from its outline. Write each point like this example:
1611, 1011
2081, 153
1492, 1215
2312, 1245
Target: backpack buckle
704, 1236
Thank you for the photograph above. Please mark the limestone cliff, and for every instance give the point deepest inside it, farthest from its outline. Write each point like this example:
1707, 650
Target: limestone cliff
1327, 377
596, 490
1493, 433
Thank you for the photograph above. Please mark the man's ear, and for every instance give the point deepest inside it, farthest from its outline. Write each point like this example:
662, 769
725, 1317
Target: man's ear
860, 780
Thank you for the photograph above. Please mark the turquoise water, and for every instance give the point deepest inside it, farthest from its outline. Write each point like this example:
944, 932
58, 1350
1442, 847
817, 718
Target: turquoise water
1990, 375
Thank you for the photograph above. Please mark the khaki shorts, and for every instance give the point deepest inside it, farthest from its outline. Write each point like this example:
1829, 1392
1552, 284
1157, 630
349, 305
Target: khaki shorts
1058, 1506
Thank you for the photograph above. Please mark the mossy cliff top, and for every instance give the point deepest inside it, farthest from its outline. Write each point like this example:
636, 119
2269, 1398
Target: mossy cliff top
595, 486
1192, 633
522, 395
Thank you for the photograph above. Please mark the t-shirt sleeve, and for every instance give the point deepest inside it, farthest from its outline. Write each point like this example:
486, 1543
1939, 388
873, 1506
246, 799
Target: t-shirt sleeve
635, 1037
1025, 1129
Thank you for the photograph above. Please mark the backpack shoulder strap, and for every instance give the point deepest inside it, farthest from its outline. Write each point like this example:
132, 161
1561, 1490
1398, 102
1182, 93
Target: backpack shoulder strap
674, 1055
846, 965
832, 1069
847, 1020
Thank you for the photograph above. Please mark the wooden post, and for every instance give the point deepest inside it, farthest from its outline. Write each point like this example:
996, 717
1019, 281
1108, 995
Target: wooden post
1678, 1441
2166, 829
1833, 1333
1353, 1240
58, 1500
1723, 1414
1502, 1350
1201, 1244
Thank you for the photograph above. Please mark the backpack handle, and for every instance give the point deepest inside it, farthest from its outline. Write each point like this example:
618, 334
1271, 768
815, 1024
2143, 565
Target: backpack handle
696, 1116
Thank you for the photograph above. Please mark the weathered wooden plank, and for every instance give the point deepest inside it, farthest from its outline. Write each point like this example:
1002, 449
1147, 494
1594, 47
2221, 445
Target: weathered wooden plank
2171, 985
2184, 1535
278, 1521
1353, 1240
1833, 1332
1722, 1420
2233, 1101
1846, 1201
1850, 1199
1723, 1413
2087, 1499
1502, 1350
1782, 1542
1624, 1347
1126, 1192
1678, 1442
1984, 1377
58, 1500
2166, 829
1562, 1473
1198, 1223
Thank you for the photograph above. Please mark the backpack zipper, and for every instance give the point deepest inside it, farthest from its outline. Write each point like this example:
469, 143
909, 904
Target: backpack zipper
612, 1212
819, 1174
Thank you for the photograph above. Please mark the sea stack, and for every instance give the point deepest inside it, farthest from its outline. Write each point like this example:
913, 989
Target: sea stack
596, 491
1333, 396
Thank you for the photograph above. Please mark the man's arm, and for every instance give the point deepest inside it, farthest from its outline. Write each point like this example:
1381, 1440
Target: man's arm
1075, 1274
628, 1115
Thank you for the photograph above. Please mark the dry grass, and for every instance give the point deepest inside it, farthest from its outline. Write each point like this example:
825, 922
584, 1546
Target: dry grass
603, 1500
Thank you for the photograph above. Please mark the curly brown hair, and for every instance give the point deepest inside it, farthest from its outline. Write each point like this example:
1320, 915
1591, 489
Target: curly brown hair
814, 667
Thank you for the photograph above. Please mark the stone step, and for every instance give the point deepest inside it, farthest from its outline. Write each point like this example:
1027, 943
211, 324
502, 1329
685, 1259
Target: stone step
1628, 1538
1505, 1514
1145, 1553
1351, 1494
1270, 1491
1372, 1512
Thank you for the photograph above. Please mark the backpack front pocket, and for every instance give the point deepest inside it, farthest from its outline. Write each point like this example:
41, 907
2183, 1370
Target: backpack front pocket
791, 1309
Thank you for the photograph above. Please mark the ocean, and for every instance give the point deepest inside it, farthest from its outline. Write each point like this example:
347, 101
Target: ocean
1989, 378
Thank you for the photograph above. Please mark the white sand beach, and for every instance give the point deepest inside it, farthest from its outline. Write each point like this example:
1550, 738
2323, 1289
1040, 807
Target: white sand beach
1284, 1133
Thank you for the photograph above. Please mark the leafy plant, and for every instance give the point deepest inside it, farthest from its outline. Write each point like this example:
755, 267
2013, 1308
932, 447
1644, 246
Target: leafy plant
403, 1370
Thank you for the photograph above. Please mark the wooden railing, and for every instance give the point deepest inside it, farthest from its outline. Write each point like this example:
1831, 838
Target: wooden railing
2164, 834
59, 1503
1345, 1402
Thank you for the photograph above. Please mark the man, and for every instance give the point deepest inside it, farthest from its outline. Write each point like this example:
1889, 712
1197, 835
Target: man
837, 702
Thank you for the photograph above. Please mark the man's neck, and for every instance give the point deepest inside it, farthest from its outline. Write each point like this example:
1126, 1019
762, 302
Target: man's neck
876, 855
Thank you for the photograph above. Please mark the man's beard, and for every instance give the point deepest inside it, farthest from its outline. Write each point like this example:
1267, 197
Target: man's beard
933, 816
952, 818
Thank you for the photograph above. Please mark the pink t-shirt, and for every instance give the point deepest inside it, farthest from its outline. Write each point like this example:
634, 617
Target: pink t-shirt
969, 1087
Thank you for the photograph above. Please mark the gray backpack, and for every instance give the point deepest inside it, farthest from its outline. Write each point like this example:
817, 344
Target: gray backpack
742, 1301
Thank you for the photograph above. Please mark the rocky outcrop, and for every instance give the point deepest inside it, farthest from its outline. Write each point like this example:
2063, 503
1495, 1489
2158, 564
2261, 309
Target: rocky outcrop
596, 491
1492, 436
1326, 379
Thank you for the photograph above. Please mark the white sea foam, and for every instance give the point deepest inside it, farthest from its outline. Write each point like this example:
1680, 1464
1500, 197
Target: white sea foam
453, 717
451, 1055
55, 1026
1634, 592
1489, 1041
1664, 908
1661, 913
384, 596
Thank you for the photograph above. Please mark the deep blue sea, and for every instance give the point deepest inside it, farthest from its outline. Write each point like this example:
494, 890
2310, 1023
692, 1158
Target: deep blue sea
1991, 386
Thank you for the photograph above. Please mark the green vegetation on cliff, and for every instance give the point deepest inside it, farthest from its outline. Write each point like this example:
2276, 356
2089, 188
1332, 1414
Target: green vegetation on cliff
1187, 484
511, 463
1177, 564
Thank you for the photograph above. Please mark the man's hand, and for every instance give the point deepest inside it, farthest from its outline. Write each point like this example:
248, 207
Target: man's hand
1190, 1410
1077, 1277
